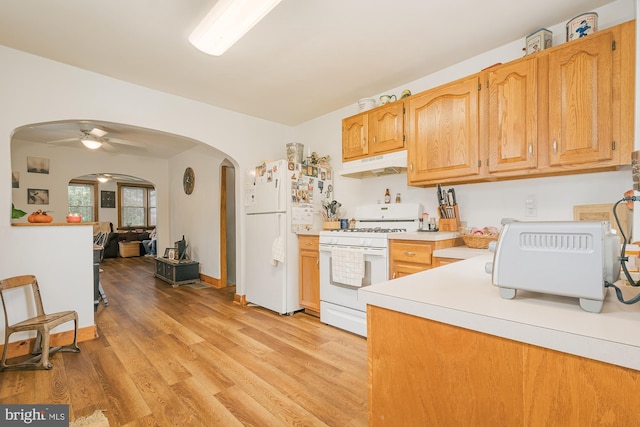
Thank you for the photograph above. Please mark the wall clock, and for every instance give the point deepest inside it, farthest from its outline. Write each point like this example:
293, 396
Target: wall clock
188, 180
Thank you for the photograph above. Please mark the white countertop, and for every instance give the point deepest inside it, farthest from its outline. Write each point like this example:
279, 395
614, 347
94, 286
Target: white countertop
428, 236
308, 233
459, 252
461, 294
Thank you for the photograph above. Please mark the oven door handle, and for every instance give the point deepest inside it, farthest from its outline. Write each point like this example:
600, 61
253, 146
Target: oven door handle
367, 251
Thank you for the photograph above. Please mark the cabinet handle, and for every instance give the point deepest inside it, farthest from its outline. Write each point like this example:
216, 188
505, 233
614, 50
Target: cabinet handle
394, 275
555, 146
374, 140
364, 142
411, 166
530, 150
318, 261
410, 253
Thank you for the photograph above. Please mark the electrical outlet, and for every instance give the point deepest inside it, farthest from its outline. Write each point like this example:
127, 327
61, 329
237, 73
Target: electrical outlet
531, 207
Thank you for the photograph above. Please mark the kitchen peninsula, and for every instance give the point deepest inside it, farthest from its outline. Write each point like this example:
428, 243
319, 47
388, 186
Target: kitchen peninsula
445, 349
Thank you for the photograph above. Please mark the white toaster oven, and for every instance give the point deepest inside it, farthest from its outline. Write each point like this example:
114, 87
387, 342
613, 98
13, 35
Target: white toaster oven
569, 258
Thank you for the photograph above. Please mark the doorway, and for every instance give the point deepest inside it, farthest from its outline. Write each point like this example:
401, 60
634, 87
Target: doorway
227, 225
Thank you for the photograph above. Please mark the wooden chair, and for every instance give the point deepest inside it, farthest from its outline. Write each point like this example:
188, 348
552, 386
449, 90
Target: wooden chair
42, 323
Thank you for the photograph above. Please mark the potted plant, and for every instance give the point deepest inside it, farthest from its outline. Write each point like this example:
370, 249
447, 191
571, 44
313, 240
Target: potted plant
16, 213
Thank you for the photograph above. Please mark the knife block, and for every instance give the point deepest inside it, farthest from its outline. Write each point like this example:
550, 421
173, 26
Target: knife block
450, 224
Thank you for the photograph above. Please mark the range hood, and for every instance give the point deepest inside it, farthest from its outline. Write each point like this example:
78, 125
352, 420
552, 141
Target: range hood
385, 164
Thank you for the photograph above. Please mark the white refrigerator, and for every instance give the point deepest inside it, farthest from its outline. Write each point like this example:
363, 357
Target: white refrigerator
281, 199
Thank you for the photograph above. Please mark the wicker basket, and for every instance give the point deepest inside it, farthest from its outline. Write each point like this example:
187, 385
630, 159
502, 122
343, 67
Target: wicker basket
478, 242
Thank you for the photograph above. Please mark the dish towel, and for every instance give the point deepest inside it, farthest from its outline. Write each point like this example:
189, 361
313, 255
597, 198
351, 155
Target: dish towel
277, 250
347, 267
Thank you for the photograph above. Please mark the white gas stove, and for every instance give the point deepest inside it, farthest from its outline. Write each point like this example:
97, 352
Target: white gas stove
352, 258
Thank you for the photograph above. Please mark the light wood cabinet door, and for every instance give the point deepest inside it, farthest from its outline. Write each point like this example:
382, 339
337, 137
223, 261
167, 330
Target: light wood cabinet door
386, 128
355, 134
513, 116
374, 132
581, 101
309, 272
450, 376
442, 132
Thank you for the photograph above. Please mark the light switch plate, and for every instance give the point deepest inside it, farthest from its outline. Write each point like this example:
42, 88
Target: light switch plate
531, 207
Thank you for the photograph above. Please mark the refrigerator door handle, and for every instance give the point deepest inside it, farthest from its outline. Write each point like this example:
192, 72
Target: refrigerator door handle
279, 231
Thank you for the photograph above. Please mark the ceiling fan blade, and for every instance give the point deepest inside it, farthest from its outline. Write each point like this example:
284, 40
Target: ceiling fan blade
108, 147
127, 142
62, 141
98, 132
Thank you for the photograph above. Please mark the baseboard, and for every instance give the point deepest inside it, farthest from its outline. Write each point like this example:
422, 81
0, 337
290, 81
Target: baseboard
23, 347
240, 299
210, 281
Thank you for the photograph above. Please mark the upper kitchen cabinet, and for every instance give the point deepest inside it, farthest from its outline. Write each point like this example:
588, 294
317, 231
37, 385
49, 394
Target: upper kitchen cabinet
355, 136
566, 109
591, 100
377, 131
443, 133
513, 116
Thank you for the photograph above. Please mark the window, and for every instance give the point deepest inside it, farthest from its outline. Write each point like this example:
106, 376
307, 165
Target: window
137, 206
83, 199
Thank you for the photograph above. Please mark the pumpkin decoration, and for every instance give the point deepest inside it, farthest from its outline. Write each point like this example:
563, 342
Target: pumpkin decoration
39, 217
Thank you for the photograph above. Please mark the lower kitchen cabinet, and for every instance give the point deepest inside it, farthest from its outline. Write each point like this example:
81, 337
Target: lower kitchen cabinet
309, 272
439, 261
177, 273
412, 256
450, 376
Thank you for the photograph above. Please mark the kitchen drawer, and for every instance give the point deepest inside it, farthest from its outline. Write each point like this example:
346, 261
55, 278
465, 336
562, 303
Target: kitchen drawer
308, 242
413, 252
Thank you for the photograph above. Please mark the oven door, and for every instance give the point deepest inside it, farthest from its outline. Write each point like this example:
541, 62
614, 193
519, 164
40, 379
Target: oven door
375, 269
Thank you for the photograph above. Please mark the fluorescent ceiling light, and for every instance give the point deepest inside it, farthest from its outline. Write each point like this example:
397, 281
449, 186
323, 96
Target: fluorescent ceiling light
227, 22
91, 142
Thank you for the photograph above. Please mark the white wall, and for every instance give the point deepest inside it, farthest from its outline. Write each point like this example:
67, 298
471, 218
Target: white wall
197, 216
484, 203
36, 90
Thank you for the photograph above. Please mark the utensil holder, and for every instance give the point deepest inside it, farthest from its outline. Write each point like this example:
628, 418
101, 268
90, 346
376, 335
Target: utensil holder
331, 225
450, 224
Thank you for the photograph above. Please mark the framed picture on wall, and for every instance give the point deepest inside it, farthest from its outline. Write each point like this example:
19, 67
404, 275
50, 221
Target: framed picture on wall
107, 199
37, 196
15, 179
37, 165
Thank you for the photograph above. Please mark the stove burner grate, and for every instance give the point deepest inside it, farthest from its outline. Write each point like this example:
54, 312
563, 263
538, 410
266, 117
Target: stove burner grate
374, 230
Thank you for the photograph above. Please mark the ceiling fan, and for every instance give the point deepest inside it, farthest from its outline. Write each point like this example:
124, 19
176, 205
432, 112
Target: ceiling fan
105, 177
95, 137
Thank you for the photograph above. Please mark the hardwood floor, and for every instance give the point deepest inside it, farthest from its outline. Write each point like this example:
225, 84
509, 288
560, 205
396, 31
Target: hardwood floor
191, 357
